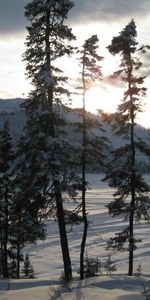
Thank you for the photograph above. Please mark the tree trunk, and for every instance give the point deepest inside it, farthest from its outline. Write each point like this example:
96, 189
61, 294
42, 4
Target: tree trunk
131, 218
131, 246
2, 257
58, 196
83, 243
18, 261
62, 232
5, 260
1, 250
5, 237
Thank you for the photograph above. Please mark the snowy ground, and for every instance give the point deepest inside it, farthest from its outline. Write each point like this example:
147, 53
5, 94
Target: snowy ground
47, 260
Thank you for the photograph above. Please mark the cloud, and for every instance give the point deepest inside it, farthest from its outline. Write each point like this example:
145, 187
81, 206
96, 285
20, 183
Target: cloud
108, 10
12, 18
114, 81
145, 59
5, 94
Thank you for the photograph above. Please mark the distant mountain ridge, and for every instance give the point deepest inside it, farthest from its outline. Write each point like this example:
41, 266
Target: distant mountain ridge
10, 105
11, 110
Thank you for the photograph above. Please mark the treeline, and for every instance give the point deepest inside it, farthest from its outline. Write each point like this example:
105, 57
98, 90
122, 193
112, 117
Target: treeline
36, 177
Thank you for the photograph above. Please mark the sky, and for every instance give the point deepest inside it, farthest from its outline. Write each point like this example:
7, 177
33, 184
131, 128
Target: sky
101, 17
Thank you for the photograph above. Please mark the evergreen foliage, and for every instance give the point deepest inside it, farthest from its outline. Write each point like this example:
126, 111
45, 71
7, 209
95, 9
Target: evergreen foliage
27, 269
12, 269
138, 272
131, 198
35, 180
91, 71
48, 157
109, 266
92, 266
26, 228
6, 194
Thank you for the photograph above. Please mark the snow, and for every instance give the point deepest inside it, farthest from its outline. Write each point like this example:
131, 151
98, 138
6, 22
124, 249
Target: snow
46, 258
104, 287
110, 287
26, 289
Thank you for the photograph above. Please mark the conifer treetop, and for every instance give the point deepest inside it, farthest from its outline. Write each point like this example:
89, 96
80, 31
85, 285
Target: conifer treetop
58, 9
125, 42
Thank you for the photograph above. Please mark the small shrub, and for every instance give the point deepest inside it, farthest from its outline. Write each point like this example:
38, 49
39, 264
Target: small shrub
138, 272
109, 266
27, 269
92, 267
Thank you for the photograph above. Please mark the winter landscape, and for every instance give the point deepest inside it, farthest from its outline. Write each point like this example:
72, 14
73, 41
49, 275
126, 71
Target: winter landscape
47, 261
75, 150
46, 256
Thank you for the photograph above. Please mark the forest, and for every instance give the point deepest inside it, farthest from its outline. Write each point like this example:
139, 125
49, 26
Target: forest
46, 168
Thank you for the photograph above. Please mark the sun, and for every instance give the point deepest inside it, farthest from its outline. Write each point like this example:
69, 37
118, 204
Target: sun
108, 99
105, 99
100, 98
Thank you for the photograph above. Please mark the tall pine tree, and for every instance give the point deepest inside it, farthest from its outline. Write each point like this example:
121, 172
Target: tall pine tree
91, 72
131, 196
48, 155
6, 193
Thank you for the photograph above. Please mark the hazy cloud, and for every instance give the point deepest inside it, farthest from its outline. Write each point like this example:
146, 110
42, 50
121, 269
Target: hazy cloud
12, 12
108, 10
145, 70
12, 16
114, 81
4, 93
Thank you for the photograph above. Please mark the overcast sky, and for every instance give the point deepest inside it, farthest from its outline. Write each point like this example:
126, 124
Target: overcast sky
103, 17
12, 12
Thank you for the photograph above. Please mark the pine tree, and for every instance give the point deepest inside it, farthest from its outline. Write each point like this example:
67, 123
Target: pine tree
47, 153
138, 272
131, 196
26, 228
27, 269
110, 266
91, 71
6, 193
92, 266
12, 268
16, 224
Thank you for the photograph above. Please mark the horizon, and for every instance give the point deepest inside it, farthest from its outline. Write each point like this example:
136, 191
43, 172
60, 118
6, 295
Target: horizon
71, 107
